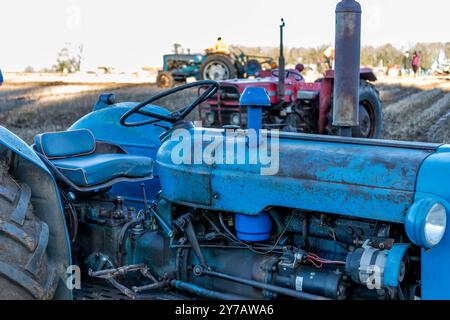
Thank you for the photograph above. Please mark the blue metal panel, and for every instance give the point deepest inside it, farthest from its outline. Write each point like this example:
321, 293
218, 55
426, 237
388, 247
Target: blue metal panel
434, 182
144, 140
255, 96
366, 180
393, 264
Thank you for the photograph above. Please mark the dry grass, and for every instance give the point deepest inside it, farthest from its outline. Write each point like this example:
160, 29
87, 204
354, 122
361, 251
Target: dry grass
29, 109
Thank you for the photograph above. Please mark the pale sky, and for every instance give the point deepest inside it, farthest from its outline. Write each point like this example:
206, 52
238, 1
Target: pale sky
134, 33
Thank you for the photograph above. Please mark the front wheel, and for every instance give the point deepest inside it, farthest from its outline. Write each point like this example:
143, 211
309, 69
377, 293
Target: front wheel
165, 80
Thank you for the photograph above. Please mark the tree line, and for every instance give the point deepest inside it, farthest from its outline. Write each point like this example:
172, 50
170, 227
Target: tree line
385, 55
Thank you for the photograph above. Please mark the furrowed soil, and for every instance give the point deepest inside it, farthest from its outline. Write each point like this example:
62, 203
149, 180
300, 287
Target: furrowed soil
414, 110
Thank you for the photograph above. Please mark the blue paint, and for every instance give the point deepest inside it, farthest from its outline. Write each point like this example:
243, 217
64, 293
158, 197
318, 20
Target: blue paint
433, 182
254, 118
415, 221
105, 100
255, 96
183, 66
350, 177
393, 264
144, 141
313, 175
65, 144
253, 228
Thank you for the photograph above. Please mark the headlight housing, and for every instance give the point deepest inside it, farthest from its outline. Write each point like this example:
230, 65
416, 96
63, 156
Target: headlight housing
235, 119
435, 223
210, 118
426, 222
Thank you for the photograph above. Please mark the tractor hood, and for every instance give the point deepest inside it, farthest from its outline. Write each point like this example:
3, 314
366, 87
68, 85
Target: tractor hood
269, 83
370, 179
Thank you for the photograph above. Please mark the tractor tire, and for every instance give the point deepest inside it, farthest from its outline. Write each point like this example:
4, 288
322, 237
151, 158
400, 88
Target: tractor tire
165, 80
217, 67
370, 112
25, 271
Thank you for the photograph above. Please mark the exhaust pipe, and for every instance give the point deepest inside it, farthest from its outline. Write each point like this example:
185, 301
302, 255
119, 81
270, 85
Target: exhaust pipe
347, 64
281, 65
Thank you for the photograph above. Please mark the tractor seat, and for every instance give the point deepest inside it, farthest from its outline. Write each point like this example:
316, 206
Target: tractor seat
80, 159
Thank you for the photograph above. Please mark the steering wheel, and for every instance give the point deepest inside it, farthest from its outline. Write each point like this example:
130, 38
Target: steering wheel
180, 114
297, 77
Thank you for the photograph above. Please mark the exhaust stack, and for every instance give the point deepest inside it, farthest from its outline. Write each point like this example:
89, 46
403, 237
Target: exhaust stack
281, 65
347, 64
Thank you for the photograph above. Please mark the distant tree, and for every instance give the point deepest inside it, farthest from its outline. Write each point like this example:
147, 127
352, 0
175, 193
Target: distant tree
69, 60
447, 49
389, 55
385, 55
29, 69
369, 56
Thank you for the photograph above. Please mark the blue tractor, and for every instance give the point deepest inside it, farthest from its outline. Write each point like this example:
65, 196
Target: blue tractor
177, 68
138, 198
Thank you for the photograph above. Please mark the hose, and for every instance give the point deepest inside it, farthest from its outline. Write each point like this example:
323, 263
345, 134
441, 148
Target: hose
120, 240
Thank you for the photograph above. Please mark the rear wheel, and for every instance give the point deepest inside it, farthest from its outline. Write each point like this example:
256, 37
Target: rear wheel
25, 272
165, 80
370, 112
217, 67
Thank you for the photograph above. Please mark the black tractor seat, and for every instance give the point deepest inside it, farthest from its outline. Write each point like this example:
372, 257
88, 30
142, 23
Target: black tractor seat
77, 159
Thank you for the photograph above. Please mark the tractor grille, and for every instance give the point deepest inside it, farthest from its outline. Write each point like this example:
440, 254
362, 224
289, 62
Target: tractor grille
227, 93
223, 107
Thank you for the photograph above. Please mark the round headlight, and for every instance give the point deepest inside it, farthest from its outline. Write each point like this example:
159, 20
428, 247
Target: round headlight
435, 224
210, 118
235, 119
426, 222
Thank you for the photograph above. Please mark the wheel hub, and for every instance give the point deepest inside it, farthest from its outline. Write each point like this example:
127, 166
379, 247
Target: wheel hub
216, 71
365, 123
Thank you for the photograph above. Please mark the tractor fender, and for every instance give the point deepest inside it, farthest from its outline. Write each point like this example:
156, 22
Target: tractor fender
45, 199
364, 74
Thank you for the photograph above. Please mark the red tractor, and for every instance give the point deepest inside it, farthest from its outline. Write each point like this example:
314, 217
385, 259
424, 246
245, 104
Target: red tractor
297, 106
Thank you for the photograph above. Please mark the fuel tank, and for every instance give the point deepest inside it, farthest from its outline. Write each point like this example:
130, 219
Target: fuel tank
363, 178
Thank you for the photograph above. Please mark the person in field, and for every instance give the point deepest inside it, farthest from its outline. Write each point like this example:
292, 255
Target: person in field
219, 47
329, 57
415, 63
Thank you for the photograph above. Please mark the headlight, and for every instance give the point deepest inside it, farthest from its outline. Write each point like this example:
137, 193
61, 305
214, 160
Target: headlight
426, 222
235, 119
210, 118
435, 224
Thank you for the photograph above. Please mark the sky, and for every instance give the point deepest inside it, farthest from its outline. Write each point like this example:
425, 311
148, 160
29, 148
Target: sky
135, 33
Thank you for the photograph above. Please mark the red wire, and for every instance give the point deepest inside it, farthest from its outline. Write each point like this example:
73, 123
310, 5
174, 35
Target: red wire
313, 258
